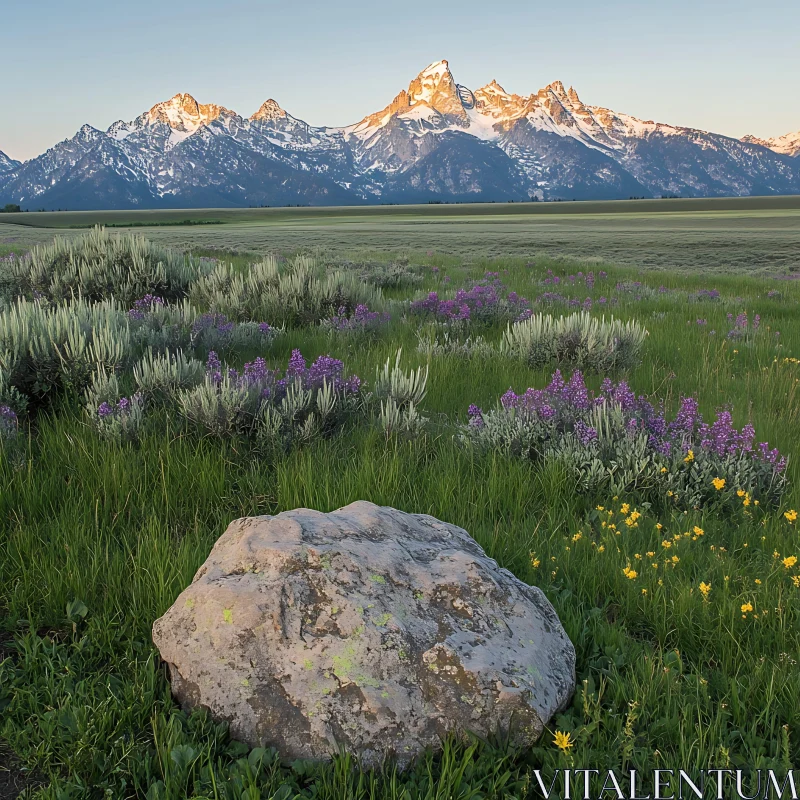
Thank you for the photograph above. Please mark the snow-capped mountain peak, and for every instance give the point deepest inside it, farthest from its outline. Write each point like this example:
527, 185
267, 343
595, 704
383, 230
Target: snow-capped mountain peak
789, 144
7, 163
493, 100
180, 117
435, 87
183, 113
269, 110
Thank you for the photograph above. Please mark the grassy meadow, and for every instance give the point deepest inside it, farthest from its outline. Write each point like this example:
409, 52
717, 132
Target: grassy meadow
750, 235
686, 624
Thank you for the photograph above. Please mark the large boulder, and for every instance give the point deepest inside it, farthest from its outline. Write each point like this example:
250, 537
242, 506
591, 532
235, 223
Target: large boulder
366, 629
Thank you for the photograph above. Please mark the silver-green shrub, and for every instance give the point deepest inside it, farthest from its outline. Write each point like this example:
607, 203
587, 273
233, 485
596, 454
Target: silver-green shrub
400, 393
100, 265
110, 414
578, 340
392, 275
220, 407
44, 347
276, 408
299, 293
160, 377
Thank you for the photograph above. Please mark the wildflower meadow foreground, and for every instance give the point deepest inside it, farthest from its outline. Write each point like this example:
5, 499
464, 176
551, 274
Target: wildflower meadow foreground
626, 442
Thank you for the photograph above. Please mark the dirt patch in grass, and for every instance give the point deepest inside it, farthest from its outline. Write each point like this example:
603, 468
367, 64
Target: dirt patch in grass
14, 779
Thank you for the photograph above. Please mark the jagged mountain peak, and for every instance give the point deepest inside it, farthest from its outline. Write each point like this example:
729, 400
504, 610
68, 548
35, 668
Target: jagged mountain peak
494, 86
7, 163
183, 113
436, 70
789, 144
436, 88
434, 91
558, 88
269, 110
88, 133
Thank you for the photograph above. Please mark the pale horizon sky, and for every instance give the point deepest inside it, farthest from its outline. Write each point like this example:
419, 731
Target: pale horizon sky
729, 67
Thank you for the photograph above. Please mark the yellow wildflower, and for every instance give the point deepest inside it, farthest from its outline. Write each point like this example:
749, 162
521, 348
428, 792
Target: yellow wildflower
791, 516
746, 608
666, 543
624, 508
698, 531
644, 591
563, 741
789, 561
663, 470
740, 492
719, 484
689, 457
796, 580
601, 549
630, 574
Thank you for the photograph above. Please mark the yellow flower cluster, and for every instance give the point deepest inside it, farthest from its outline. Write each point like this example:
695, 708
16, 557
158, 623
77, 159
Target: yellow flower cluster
705, 590
791, 516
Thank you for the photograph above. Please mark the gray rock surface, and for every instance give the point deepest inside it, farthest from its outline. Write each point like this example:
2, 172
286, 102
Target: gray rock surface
368, 629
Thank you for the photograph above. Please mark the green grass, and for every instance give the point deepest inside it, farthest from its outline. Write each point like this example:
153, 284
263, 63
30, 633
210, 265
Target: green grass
665, 678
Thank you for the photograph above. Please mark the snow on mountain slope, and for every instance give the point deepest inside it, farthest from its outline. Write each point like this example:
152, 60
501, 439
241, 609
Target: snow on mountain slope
435, 139
6, 163
788, 145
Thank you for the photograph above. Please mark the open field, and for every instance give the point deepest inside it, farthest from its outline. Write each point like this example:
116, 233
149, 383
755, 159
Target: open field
686, 620
752, 235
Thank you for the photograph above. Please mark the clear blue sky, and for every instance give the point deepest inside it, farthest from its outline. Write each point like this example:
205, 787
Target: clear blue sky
731, 66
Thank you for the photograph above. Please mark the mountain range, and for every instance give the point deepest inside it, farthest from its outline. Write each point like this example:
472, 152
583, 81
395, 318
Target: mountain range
437, 141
